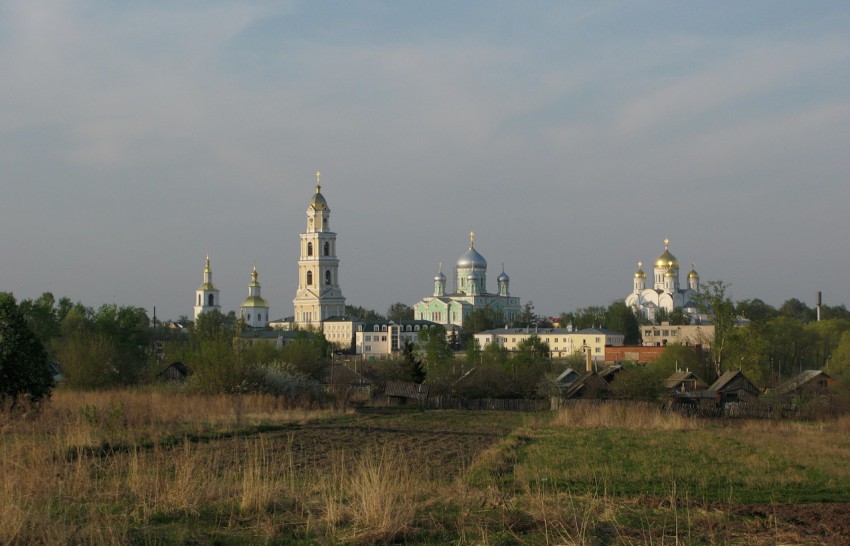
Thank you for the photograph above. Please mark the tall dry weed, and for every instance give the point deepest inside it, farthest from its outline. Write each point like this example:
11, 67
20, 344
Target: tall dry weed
380, 496
262, 481
622, 415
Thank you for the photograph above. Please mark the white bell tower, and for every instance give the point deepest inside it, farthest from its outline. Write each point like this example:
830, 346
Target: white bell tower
319, 296
206, 296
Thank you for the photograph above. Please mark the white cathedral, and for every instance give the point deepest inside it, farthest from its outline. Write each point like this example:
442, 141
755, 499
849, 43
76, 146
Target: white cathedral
665, 292
469, 294
318, 297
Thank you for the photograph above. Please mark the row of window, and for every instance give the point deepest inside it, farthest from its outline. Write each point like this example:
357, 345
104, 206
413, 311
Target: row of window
326, 250
666, 333
383, 328
327, 278
327, 222
210, 298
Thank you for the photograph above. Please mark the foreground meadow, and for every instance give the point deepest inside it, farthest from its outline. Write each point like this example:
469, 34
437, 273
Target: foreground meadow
146, 467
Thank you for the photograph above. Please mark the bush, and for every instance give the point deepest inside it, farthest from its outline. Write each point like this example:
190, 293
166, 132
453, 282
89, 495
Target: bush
282, 379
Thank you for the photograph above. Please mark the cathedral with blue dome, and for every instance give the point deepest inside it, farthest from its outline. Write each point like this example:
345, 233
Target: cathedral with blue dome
468, 294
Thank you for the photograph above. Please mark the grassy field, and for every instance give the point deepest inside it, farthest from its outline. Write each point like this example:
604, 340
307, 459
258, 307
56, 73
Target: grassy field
136, 467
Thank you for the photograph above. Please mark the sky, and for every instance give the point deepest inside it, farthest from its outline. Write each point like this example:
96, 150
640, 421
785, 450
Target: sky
572, 137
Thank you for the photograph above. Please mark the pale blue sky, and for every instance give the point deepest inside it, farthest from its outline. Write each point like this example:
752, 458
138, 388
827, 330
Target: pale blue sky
572, 137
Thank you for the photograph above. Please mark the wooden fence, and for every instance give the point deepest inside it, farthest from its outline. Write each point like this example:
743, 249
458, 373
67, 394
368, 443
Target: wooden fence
493, 404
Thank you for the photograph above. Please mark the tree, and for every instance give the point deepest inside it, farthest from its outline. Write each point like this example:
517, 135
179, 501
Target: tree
585, 317
685, 357
412, 369
434, 347
796, 309
399, 311
620, 318
88, 360
712, 300
642, 382
839, 361
755, 310
366, 314
527, 317
210, 325
481, 320
528, 365
42, 317
24, 368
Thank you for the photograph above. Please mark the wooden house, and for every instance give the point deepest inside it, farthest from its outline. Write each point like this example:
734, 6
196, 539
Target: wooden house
733, 386
176, 371
684, 381
609, 373
589, 386
400, 393
811, 383
567, 378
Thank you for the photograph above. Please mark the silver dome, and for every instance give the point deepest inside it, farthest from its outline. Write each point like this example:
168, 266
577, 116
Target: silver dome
471, 258
503, 277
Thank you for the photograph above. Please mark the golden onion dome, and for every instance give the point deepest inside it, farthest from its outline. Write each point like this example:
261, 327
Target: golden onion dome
255, 301
318, 201
639, 274
670, 273
666, 259
693, 274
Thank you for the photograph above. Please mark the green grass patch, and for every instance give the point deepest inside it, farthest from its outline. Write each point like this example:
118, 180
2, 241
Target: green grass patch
706, 465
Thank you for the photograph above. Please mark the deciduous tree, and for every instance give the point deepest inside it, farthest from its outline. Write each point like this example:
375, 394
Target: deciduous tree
399, 311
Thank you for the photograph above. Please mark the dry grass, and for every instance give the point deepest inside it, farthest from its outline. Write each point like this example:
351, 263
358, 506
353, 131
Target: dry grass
91, 469
382, 496
636, 416
85, 470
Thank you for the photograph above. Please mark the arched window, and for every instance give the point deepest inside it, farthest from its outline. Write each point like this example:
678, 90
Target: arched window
199, 300
309, 250
249, 317
327, 248
327, 276
309, 278
212, 300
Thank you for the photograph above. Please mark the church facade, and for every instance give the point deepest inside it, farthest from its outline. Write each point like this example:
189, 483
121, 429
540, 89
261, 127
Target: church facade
469, 293
665, 292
